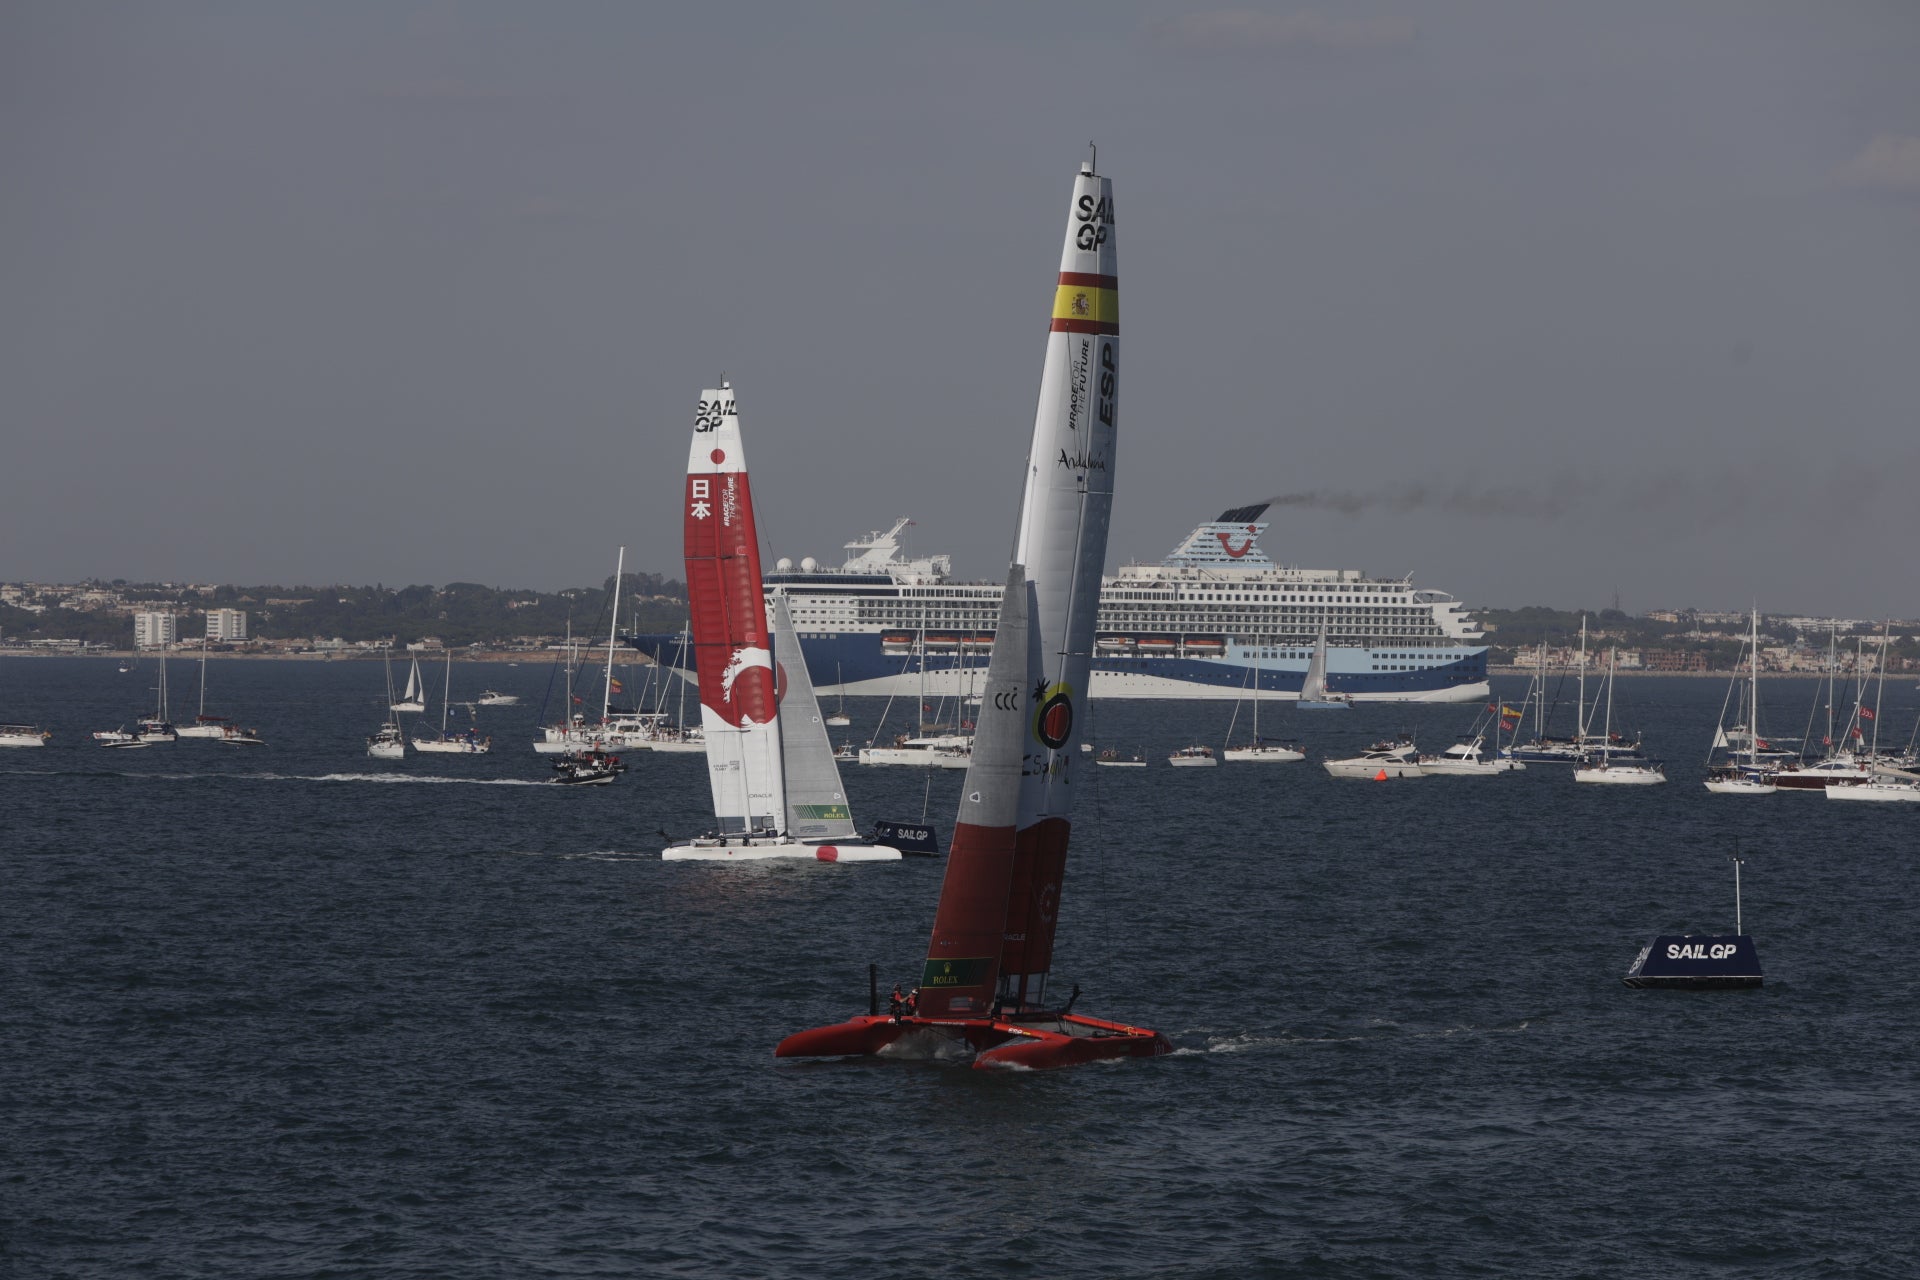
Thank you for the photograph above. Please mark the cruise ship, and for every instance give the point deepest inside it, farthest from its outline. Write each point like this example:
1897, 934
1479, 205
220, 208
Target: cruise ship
1209, 621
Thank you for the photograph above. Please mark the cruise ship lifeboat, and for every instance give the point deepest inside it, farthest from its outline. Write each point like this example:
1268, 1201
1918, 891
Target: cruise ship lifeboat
942, 644
1115, 644
1157, 644
1206, 646
893, 643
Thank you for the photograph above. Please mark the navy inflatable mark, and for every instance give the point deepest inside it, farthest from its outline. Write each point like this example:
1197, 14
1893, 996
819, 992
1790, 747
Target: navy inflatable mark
908, 837
1697, 960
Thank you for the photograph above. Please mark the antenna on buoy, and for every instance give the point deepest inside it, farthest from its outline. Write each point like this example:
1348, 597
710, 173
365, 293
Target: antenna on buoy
1737, 860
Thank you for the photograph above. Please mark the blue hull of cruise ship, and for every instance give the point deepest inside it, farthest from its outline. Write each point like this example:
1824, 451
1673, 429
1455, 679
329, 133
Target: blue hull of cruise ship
858, 665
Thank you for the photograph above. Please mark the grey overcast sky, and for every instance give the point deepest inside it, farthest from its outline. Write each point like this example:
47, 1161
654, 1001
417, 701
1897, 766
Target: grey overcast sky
1539, 301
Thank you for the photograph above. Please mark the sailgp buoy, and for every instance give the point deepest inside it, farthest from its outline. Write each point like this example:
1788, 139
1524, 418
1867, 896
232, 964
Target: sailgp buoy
1700, 962
1380, 776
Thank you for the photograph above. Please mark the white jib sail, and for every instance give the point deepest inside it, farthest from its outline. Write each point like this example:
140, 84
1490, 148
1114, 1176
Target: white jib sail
816, 803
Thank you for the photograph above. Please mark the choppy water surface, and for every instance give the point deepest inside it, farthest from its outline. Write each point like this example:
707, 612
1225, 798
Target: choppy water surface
294, 1012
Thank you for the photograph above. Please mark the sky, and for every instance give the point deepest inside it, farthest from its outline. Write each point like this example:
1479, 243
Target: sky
1543, 303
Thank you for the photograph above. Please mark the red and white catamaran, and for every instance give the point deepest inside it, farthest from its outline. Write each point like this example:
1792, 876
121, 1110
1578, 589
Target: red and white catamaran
984, 984
775, 794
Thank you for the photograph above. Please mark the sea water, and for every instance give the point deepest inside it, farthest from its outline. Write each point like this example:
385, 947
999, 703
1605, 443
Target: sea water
288, 1011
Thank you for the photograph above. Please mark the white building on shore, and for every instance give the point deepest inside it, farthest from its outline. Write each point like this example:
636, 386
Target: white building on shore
152, 629
226, 624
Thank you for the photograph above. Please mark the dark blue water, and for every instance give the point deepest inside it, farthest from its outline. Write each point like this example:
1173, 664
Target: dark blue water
292, 1012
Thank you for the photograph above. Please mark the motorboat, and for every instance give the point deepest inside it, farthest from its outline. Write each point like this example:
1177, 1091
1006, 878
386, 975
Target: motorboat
1195, 757
932, 751
1388, 758
23, 735
1114, 760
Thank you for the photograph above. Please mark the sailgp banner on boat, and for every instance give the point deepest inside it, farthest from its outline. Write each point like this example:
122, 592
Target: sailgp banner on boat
738, 708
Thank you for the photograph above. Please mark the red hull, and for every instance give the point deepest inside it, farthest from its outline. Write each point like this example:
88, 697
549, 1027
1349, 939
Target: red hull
1065, 1041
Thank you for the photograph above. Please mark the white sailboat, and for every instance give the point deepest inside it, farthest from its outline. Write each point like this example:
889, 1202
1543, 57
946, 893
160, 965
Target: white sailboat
204, 725
839, 719
1314, 694
678, 737
1601, 767
415, 698
158, 727
469, 743
23, 735
776, 788
1259, 750
1732, 778
388, 742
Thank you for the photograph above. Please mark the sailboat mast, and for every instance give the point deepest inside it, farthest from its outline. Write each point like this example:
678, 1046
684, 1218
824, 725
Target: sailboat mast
613, 634
1753, 692
446, 694
1580, 703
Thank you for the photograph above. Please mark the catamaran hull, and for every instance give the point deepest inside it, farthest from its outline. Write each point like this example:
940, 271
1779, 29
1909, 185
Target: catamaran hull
1064, 1041
432, 747
766, 850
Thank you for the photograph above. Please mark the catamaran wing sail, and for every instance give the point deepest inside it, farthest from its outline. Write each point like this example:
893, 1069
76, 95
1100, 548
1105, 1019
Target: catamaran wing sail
816, 804
732, 647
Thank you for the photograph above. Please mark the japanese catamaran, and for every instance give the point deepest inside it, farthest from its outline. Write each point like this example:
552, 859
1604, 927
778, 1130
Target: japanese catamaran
775, 794
984, 985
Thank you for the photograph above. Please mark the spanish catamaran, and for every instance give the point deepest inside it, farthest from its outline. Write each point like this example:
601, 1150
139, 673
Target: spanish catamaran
984, 985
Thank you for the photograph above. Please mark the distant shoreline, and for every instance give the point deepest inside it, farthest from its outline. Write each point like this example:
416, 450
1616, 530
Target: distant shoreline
635, 657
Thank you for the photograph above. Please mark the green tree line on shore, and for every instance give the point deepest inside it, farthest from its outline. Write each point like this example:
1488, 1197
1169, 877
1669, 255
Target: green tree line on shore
459, 613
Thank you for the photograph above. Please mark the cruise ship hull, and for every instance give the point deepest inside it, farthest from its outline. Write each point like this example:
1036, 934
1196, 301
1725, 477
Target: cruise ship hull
865, 669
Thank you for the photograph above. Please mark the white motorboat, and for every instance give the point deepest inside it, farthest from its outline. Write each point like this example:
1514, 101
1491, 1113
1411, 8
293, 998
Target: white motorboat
934, 751
23, 735
1114, 760
488, 698
1468, 759
235, 736
387, 742
1194, 757
1877, 789
1388, 758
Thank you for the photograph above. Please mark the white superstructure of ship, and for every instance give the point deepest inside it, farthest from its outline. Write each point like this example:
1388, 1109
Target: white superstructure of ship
1205, 622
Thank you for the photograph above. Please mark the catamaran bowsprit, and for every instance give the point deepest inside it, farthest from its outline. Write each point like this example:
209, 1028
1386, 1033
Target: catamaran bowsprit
984, 984
776, 788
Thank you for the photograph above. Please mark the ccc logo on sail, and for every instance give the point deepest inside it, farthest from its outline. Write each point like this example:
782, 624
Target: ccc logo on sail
1007, 700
